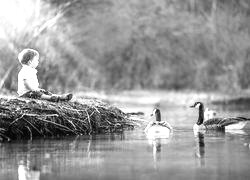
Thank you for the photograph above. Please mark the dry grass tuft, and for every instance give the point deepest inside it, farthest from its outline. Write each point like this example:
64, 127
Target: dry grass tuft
27, 118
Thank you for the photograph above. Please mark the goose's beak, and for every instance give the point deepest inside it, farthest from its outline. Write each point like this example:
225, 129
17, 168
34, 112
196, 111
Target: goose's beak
191, 106
151, 114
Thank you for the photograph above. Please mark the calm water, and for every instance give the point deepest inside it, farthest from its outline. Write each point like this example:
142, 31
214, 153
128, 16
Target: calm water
131, 156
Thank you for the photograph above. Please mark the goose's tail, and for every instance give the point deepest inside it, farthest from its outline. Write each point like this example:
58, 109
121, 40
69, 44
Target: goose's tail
239, 118
234, 123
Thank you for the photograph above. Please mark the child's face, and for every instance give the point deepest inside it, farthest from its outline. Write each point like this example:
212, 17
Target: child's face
34, 62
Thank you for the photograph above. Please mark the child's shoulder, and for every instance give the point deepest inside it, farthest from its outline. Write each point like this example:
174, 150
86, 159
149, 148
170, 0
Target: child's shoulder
26, 70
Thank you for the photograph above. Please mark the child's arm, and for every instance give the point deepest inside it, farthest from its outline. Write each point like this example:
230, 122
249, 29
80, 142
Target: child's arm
30, 86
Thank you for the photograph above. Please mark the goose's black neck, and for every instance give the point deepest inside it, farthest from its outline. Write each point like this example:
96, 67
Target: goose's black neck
158, 115
201, 115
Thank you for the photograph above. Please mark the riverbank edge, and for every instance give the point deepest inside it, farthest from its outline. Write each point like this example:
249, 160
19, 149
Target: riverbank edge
22, 118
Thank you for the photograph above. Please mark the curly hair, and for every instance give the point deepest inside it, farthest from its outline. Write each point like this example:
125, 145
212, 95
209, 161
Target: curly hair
26, 55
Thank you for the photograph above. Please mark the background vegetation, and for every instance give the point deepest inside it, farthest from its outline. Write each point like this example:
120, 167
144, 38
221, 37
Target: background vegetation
132, 44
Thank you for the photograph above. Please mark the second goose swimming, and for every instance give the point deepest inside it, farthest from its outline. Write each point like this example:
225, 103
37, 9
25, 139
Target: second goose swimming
217, 123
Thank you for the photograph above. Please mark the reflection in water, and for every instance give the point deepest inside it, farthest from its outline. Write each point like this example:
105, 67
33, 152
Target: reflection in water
214, 155
157, 145
236, 132
247, 145
43, 158
200, 149
156, 149
27, 167
26, 173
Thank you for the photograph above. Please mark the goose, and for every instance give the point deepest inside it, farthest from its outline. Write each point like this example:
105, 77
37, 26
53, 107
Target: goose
158, 128
217, 123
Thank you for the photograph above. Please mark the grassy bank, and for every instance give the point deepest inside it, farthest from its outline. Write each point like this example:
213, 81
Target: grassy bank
27, 118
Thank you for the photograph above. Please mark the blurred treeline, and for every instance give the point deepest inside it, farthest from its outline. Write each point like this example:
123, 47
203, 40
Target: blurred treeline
130, 44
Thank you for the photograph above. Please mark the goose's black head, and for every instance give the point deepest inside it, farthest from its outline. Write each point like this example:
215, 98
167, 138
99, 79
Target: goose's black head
197, 105
201, 111
157, 114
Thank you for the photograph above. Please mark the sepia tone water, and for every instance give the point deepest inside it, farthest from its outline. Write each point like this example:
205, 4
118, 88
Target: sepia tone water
130, 155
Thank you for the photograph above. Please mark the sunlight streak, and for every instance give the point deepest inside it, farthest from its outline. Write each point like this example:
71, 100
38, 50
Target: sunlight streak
17, 13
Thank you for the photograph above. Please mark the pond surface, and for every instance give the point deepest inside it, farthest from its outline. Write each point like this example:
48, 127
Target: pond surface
130, 155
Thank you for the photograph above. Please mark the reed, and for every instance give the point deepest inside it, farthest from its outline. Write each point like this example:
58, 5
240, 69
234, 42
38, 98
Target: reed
22, 118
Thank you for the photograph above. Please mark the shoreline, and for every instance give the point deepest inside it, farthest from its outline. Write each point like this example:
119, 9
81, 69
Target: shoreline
24, 118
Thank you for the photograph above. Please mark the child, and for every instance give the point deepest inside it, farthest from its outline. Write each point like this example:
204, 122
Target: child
28, 85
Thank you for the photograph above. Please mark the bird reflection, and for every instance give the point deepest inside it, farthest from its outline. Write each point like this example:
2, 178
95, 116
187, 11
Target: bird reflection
157, 146
200, 149
156, 149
